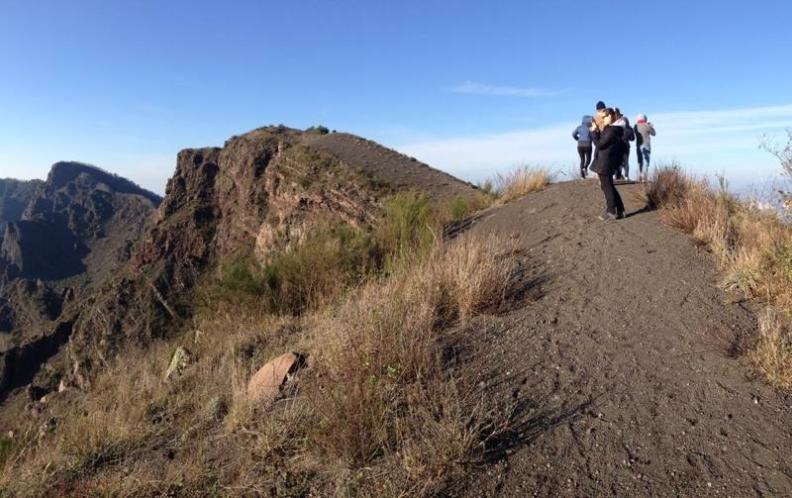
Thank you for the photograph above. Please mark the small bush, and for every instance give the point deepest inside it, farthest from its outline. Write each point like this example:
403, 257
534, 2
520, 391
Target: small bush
241, 275
319, 269
459, 208
488, 188
407, 230
669, 186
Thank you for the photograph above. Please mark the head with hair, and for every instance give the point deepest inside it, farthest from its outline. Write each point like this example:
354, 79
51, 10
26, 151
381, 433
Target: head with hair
641, 118
609, 116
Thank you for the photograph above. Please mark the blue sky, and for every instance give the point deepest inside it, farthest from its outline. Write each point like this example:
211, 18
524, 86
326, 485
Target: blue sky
470, 87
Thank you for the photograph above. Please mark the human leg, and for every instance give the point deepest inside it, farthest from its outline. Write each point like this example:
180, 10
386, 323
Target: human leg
582, 154
646, 156
618, 203
626, 164
606, 184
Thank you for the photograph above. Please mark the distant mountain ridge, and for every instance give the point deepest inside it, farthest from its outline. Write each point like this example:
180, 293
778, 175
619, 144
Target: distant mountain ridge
59, 238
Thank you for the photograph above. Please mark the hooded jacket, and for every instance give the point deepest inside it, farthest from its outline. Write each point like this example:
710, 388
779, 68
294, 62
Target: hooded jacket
582, 133
610, 144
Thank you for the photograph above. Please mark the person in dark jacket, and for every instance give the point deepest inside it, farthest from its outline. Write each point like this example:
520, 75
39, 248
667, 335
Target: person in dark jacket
610, 144
583, 136
623, 172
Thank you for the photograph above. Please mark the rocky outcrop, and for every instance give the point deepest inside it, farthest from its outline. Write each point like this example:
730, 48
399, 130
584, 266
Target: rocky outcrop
259, 194
15, 195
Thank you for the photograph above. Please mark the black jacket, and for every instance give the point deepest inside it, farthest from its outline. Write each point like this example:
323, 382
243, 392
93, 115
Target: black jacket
611, 147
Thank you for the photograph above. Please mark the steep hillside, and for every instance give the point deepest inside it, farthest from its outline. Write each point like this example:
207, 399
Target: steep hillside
259, 194
74, 230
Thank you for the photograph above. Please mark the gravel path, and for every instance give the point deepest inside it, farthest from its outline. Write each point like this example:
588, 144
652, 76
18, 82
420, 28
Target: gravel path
620, 363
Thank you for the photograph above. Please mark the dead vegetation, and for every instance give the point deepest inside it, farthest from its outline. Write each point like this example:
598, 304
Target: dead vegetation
753, 248
519, 182
376, 411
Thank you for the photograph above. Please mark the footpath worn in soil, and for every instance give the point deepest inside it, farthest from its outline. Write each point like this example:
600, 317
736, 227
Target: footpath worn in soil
621, 363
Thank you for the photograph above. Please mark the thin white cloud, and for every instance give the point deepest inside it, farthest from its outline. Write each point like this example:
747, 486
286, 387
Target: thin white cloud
470, 87
720, 141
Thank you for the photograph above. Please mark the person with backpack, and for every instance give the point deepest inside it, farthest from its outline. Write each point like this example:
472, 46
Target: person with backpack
583, 136
623, 172
644, 131
610, 144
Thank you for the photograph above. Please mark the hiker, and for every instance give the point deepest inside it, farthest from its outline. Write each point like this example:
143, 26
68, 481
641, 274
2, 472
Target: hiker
599, 115
623, 171
598, 124
583, 136
610, 147
644, 131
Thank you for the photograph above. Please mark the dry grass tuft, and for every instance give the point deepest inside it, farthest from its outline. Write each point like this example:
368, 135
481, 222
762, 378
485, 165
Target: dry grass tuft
772, 353
520, 182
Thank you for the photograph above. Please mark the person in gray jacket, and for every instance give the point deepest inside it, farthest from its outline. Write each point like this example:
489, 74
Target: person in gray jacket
644, 131
583, 136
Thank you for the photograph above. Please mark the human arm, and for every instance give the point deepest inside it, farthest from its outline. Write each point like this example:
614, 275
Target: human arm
606, 138
576, 133
651, 129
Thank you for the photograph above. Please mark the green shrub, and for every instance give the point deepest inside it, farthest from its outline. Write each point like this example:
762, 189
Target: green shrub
241, 275
488, 187
406, 231
319, 269
461, 207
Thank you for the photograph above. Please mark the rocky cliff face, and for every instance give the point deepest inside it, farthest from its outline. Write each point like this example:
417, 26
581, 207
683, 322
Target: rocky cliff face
74, 230
14, 198
258, 194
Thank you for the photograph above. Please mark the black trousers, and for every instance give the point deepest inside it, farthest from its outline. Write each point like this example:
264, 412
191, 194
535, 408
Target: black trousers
584, 151
612, 198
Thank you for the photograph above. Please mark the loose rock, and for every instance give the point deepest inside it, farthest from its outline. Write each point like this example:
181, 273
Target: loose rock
265, 384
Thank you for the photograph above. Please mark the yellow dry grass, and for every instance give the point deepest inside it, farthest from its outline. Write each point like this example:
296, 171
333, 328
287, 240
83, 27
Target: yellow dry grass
520, 182
772, 353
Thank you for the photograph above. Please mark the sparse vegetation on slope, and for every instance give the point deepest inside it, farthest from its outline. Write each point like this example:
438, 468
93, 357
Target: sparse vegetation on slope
752, 246
377, 398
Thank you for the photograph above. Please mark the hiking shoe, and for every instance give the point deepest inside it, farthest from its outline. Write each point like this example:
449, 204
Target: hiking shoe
620, 215
607, 217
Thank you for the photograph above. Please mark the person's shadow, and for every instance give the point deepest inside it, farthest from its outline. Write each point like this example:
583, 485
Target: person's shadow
644, 209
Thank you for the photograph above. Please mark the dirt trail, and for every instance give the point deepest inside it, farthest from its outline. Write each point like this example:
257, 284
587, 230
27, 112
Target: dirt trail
621, 366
